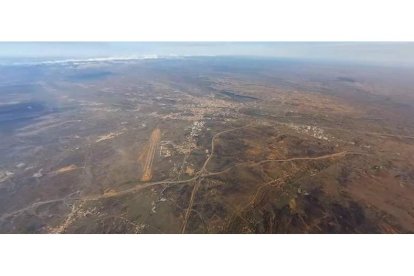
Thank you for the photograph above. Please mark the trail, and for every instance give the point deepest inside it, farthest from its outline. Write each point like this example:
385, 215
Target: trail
135, 189
198, 177
69, 219
252, 164
35, 205
201, 174
190, 205
379, 134
203, 169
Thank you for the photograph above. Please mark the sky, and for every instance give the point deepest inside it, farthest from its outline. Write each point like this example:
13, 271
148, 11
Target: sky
387, 53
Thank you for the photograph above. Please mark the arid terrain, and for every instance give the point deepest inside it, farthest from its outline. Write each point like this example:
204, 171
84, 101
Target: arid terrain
206, 145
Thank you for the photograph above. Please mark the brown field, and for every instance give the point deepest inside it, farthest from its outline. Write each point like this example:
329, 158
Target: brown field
66, 169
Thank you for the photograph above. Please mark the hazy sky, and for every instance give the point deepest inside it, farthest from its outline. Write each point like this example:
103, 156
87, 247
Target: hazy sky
366, 52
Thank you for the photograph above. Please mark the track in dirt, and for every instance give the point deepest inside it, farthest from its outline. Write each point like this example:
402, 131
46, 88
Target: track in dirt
149, 154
